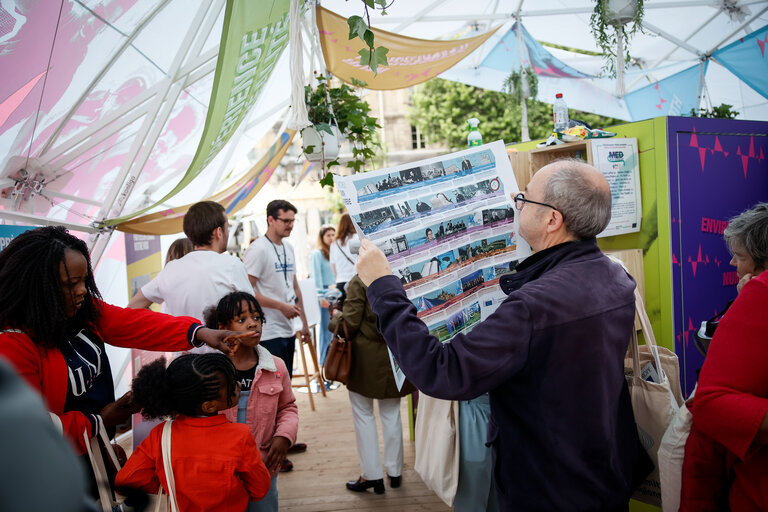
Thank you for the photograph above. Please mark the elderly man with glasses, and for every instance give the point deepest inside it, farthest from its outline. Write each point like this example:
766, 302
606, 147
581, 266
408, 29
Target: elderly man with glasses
551, 356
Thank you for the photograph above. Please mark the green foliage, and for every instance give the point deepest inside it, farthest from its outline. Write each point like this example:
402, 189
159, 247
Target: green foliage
342, 106
372, 55
441, 109
513, 85
722, 111
604, 29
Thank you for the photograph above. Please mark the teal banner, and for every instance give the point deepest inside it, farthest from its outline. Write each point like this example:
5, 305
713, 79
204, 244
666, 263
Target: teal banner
253, 37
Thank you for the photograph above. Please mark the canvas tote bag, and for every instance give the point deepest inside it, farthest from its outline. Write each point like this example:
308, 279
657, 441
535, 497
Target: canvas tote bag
671, 454
437, 446
654, 401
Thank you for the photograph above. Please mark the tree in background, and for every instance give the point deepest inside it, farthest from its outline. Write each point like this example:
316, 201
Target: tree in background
441, 108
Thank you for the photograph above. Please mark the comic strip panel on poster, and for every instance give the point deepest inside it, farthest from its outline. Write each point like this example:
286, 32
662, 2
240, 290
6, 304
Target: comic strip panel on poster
447, 227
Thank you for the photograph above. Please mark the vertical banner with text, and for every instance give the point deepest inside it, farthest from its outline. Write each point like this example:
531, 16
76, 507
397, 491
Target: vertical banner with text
143, 262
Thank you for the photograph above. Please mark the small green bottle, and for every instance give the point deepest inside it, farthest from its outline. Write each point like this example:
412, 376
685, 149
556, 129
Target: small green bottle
474, 138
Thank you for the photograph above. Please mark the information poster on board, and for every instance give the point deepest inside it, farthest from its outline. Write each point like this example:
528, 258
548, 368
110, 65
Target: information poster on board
617, 159
448, 228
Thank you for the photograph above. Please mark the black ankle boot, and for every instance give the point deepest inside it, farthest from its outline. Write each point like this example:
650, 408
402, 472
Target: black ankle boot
394, 481
361, 485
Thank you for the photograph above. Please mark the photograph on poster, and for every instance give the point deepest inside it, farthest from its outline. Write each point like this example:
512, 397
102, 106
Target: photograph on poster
431, 173
416, 274
493, 215
471, 281
460, 321
437, 298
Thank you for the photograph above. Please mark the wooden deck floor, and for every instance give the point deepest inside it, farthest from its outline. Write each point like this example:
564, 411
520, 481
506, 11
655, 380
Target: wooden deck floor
317, 482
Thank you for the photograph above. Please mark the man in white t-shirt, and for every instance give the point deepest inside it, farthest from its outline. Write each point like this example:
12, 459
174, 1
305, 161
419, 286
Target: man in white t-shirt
189, 285
271, 266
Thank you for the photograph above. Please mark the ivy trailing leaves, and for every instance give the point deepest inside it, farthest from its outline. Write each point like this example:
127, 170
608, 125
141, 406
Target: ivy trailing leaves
372, 55
605, 29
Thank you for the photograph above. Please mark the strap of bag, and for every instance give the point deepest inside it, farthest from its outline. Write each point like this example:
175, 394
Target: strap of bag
650, 339
338, 244
97, 464
343, 324
166, 450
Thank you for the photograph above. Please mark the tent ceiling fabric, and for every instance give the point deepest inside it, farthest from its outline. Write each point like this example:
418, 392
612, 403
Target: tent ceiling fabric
677, 34
100, 88
80, 82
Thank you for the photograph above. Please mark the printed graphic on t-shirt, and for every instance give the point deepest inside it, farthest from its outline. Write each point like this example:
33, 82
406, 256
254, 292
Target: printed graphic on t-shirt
84, 363
245, 378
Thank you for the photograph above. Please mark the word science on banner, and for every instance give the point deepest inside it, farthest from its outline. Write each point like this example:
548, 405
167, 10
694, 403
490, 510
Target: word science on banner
448, 228
253, 37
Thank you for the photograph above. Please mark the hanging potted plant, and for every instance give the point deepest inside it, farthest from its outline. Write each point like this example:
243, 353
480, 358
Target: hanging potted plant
613, 23
334, 112
519, 86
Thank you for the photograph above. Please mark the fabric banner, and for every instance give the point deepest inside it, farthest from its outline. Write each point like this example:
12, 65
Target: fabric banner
747, 58
506, 56
253, 37
233, 198
411, 61
675, 95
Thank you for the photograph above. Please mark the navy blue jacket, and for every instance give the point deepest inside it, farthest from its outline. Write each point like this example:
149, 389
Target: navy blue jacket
552, 357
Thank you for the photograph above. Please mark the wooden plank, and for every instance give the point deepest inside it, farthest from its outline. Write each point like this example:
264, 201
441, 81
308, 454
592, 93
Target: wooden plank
317, 480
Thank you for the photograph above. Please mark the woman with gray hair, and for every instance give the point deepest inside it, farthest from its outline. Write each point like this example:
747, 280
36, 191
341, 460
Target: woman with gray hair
726, 453
747, 239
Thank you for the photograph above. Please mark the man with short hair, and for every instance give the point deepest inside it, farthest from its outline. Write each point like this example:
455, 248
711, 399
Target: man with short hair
191, 284
551, 356
271, 266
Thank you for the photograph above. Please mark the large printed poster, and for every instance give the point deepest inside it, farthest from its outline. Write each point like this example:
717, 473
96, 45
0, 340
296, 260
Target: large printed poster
447, 227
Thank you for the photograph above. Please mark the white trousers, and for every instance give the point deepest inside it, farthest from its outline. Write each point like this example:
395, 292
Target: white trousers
367, 436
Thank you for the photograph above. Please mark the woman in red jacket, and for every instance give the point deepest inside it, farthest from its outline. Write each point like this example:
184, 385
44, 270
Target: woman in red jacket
53, 327
726, 454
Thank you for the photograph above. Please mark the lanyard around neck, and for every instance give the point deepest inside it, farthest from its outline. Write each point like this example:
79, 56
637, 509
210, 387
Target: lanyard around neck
285, 257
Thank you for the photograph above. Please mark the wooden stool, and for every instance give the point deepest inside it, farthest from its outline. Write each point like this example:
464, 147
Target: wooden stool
309, 377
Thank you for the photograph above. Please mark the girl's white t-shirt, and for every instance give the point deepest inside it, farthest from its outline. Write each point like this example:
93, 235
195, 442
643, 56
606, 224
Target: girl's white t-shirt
344, 260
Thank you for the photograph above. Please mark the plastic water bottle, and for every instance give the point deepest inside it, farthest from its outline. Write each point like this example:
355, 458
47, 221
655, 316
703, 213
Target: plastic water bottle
560, 113
474, 138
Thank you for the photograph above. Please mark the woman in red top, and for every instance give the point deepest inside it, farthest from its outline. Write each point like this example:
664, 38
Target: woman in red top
726, 454
54, 326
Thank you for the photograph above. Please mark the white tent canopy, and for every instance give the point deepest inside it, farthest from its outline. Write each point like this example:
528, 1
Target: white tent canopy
102, 102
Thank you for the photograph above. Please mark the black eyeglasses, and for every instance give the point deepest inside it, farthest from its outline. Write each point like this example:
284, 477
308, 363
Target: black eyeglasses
286, 221
520, 201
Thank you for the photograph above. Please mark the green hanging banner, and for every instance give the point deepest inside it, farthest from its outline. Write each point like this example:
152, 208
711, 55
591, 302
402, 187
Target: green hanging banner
253, 37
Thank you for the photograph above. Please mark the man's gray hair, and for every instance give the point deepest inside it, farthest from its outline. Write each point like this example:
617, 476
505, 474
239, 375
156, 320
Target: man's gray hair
749, 230
586, 208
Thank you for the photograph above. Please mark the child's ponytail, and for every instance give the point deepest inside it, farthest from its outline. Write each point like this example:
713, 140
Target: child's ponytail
152, 390
182, 388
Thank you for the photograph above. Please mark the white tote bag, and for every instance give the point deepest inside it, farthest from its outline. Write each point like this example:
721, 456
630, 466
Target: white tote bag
671, 454
654, 402
437, 446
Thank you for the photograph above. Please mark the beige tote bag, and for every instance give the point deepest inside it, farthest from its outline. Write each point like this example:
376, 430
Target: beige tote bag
437, 445
654, 402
